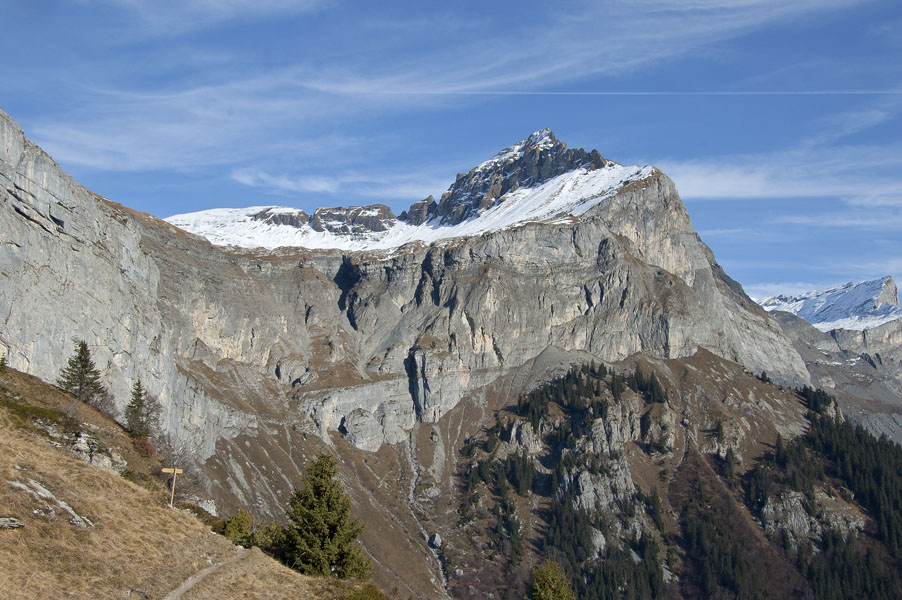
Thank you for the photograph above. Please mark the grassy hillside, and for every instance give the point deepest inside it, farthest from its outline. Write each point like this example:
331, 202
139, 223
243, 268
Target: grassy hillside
132, 545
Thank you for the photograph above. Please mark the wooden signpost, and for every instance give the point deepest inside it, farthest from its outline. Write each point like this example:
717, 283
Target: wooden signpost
174, 473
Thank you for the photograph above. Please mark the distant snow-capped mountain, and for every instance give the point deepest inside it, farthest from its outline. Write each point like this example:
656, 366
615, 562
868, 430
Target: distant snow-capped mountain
856, 306
538, 179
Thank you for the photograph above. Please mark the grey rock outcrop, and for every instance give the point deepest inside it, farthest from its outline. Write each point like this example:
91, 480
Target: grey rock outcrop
787, 515
10, 523
418, 213
354, 219
85, 446
606, 482
523, 436
295, 218
795, 519
48, 503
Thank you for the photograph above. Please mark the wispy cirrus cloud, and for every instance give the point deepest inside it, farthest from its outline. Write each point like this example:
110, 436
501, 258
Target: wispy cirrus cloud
568, 45
889, 220
173, 17
861, 174
822, 166
283, 183
212, 113
760, 291
183, 128
402, 186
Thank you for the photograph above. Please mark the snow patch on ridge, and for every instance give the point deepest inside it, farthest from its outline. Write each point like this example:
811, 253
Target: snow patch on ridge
855, 306
569, 194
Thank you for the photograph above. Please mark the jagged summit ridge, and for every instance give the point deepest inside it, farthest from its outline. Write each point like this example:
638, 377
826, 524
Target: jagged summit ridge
529, 162
536, 179
855, 306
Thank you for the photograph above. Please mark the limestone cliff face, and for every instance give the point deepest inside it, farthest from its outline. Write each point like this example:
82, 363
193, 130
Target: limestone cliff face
240, 342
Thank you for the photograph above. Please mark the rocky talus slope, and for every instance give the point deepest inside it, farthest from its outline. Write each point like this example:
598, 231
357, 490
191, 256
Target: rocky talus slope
393, 356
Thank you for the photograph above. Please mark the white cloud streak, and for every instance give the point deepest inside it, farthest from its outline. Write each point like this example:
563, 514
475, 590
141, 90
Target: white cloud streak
257, 110
175, 17
604, 38
873, 221
760, 291
861, 176
407, 186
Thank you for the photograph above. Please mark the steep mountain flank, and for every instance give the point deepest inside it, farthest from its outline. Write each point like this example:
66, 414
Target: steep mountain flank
394, 356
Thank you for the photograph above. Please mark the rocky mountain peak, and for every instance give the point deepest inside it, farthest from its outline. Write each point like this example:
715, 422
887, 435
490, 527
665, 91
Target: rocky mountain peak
529, 162
889, 293
855, 306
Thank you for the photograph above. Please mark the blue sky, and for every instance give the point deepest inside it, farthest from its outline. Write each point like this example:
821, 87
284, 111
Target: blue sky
781, 122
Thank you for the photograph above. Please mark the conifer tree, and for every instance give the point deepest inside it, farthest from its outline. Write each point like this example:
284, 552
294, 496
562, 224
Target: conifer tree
2, 364
80, 377
550, 583
140, 414
320, 538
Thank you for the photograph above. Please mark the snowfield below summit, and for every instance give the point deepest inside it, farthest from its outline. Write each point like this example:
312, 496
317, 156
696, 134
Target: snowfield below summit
570, 194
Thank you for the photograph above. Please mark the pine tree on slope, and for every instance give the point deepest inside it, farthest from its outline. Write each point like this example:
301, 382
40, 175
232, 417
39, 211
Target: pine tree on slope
80, 377
550, 583
138, 413
320, 538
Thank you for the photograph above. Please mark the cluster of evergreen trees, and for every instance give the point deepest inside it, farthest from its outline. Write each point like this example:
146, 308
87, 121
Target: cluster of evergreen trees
850, 569
648, 386
81, 378
817, 401
617, 575
570, 391
723, 569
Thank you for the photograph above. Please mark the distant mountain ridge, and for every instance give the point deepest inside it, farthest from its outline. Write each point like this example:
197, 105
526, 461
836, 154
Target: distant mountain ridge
537, 179
853, 306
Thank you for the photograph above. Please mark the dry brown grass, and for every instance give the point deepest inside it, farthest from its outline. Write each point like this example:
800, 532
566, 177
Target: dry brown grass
255, 576
137, 542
